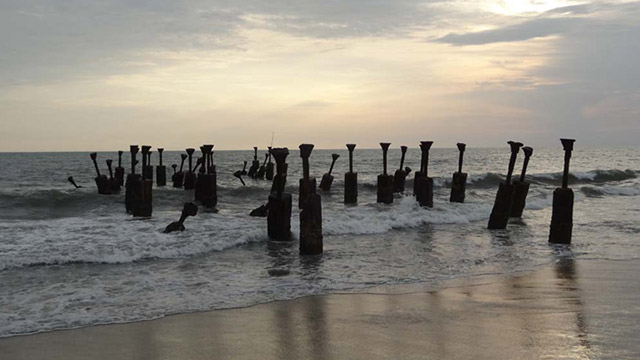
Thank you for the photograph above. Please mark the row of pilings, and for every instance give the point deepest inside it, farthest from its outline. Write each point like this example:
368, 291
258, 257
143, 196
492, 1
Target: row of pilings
202, 179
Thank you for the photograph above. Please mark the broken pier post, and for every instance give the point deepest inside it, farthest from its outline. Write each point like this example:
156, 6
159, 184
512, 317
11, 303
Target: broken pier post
190, 176
73, 182
207, 182
189, 209
311, 214
385, 181
161, 170
178, 177
423, 184
521, 187
119, 172
133, 181
400, 175
502, 206
263, 168
307, 184
562, 213
147, 170
113, 182
327, 179
269, 170
143, 204
102, 183
351, 180
459, 180
279, 217
255, 165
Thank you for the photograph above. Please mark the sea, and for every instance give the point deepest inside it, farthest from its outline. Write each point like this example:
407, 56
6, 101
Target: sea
71, 258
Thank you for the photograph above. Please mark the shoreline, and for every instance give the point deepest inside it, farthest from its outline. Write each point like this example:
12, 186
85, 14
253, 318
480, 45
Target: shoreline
569, 309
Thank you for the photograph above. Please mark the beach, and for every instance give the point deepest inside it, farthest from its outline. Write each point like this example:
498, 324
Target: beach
573, 309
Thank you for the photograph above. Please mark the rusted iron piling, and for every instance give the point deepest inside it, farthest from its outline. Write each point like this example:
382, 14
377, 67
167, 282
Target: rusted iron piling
279, 205
311, 214
562, 214
327, 178
459, 180
502, 205
521, 187
385, 181
351, 180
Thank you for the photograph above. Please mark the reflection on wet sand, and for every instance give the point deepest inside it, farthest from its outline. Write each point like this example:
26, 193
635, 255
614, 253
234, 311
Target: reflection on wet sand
567, 310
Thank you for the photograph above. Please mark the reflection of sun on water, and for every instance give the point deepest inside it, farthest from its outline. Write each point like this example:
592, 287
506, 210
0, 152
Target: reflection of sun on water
516, 7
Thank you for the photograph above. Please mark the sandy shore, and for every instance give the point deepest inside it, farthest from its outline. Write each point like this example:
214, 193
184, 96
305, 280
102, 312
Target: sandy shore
571, 310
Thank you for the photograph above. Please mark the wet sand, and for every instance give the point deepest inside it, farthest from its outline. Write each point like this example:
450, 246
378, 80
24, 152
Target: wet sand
586, 309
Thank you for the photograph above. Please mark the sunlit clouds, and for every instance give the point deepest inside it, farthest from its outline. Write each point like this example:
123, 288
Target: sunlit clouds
100, 76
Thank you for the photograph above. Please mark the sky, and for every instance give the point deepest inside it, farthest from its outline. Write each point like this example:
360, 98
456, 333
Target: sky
81, 75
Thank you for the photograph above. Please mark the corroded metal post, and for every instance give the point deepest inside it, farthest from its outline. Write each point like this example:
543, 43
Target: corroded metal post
327, 178
269, 172
521, 186
279, 205
178, 177
120, 170
190, 176
351, 180
385, 181
562, 213
161, 170
255, 165
401, 174
311, 205
143, 196
307, 186
459, 181
113, 182
502, 205
206, 186
102, 183
423, 184
189, 209
133, 183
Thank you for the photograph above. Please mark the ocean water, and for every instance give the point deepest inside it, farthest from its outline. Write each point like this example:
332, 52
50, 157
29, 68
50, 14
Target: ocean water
71, 258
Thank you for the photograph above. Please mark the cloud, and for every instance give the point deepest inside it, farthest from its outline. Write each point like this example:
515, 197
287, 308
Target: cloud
536, 28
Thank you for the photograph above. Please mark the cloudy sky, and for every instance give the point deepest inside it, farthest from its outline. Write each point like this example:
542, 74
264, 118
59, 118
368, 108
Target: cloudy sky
100, 75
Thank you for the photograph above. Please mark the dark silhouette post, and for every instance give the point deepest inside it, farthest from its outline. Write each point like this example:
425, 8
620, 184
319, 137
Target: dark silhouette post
255, 165
73, 182
178, 177
113, 182
120, 170
207, 180
244, 169
269, 172
459, 181
143, 204
401, 174
133, 181
311, 205
307, 186
238, 174
562, 213
147, 170
199, 184
189, 209
502, 205
385, 181
351, 180
521, 187
327, 179
102, 183
263, 168
279, 217
423, 184
190, 176
161, 170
